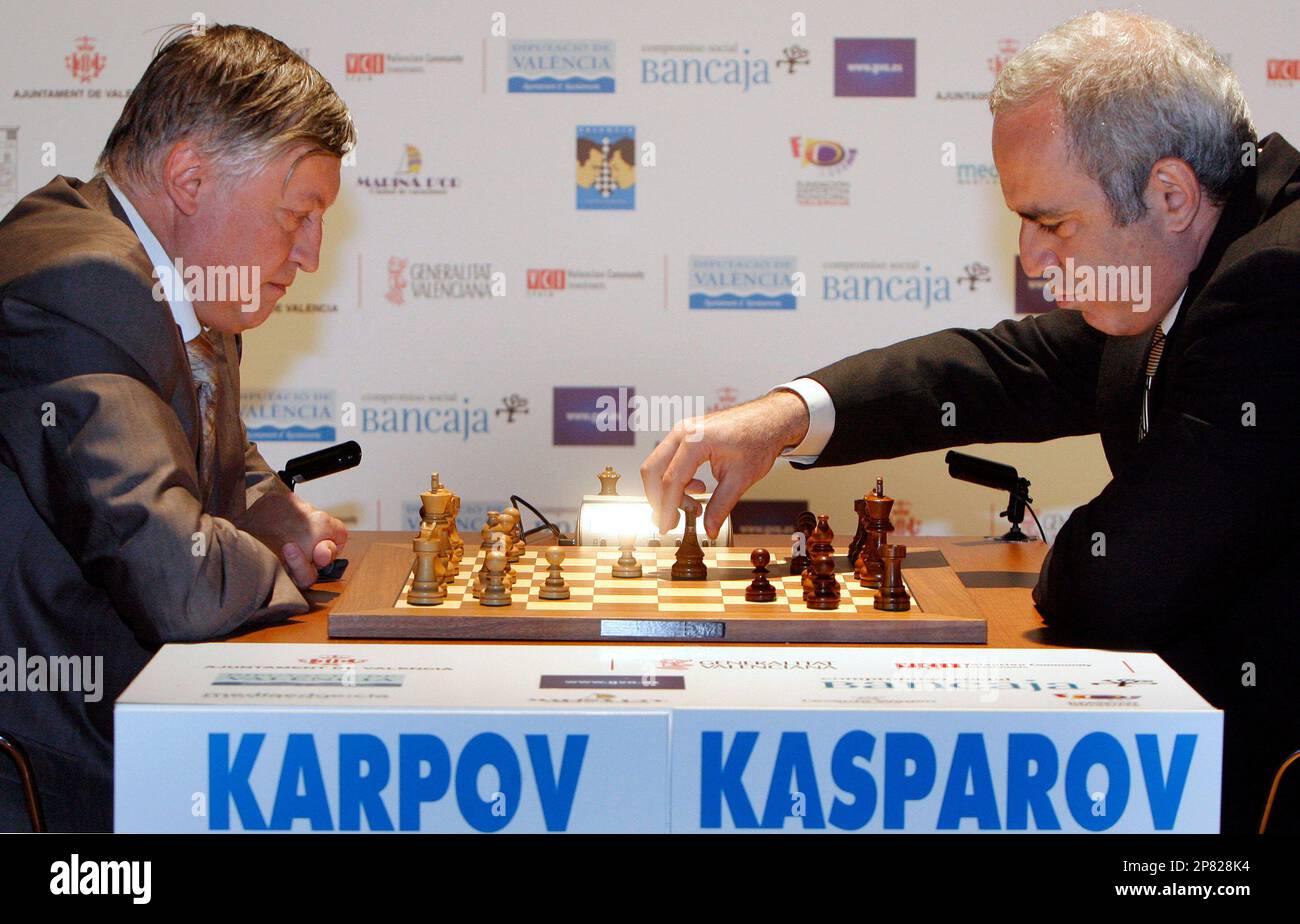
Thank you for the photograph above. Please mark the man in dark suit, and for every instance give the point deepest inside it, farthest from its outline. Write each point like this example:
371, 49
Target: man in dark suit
1125, 146
136, 512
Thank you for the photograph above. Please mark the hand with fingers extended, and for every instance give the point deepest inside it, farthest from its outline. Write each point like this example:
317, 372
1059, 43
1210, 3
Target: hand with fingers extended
740, 444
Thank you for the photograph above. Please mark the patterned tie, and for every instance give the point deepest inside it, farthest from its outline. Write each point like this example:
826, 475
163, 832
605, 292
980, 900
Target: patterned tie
1153, 362
203, 366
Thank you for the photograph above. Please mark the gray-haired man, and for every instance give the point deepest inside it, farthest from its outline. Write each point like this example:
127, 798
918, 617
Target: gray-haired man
136, 512
1127, 149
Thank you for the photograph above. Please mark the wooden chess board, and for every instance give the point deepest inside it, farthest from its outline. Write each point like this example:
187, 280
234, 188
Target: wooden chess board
654, 607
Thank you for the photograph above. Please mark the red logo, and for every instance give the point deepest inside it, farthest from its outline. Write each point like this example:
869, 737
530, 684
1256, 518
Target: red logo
1008, 48
371, 63
85, 63
333, 659
546, 279
1284, 69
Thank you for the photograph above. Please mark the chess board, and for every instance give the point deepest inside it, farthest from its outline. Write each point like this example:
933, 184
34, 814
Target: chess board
653, 607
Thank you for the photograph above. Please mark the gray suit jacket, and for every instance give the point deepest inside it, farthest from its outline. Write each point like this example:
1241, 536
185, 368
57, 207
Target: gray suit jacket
105, 547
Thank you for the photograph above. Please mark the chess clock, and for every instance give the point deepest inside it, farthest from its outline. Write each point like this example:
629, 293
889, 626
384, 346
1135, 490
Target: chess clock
606, 518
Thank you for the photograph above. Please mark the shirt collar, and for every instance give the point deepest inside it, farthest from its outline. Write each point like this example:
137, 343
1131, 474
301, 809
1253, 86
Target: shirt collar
164, 269
1167, 322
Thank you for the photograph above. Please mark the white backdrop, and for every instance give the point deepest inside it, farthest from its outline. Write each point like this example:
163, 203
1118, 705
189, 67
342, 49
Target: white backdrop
487, 192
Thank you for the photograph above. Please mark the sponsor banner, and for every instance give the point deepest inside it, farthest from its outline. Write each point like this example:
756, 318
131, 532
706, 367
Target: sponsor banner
272, 737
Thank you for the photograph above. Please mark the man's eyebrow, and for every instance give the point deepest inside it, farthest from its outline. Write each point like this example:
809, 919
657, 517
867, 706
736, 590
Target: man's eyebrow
1038, 212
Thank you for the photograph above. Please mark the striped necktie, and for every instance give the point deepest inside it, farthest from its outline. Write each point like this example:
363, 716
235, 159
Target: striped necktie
1153, 362
203, 366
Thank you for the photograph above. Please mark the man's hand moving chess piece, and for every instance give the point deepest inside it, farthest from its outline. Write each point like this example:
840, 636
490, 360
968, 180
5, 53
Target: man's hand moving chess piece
740, 444
303, 537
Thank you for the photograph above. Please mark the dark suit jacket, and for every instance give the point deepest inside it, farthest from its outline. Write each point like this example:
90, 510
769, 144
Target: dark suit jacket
1200, 519
98, 487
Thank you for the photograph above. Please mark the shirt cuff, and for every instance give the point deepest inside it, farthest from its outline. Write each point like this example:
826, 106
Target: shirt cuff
821, 420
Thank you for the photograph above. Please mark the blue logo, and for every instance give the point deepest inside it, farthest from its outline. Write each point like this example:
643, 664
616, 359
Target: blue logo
606, 167
717, 66
561, 66
875, 67
289, 416
743, 282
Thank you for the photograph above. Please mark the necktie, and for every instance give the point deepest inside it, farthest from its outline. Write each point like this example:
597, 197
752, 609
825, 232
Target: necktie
1153, 362
203, 366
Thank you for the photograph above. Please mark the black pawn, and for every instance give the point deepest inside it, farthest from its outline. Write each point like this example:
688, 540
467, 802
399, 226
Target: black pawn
825, 590
760, 590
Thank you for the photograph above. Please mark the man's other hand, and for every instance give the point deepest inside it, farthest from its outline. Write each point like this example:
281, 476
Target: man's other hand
740, 444
289, 526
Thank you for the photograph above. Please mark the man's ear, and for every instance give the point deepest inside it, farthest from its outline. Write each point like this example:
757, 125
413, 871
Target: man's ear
1173, 193
185, 170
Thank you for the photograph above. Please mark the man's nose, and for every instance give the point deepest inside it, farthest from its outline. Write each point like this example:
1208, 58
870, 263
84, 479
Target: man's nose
306, 248
1036, 254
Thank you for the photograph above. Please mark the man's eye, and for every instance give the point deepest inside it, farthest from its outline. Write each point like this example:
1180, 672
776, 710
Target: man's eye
1051, 229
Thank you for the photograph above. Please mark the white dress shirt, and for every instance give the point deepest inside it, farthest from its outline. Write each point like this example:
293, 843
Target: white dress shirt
165, 269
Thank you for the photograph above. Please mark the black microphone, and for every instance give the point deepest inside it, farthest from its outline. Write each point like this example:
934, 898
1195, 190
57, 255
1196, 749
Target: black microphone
984, 472
320, 463
999, 477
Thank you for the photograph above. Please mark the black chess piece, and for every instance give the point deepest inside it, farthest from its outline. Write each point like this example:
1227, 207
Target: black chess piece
878, 528
860, 536
892, 595
689, 562
825, 589
760, 590
805, 523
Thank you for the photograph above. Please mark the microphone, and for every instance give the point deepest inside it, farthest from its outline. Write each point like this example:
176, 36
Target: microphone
999, 477
984, 472
320, 463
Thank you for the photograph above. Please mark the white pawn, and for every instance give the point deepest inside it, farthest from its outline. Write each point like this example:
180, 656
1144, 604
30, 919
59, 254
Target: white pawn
554, 588
627, 566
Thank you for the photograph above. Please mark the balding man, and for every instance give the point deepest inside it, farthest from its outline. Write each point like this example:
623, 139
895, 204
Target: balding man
1127, 149
136, 512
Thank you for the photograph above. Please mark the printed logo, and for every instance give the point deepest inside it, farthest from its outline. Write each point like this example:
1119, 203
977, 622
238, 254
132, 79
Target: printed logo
823, 158
726, 65
578, 413
743, 282
792, 57
606, 156
875, 67
511, 405
408, 178
1006, 50
85, 64
894, 282
549, 283
441, 415
305, 416
1283, 70
439, 281
369, 65
561, 66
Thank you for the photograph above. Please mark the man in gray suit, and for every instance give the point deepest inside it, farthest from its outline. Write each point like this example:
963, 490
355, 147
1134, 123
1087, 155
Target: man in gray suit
135, 511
